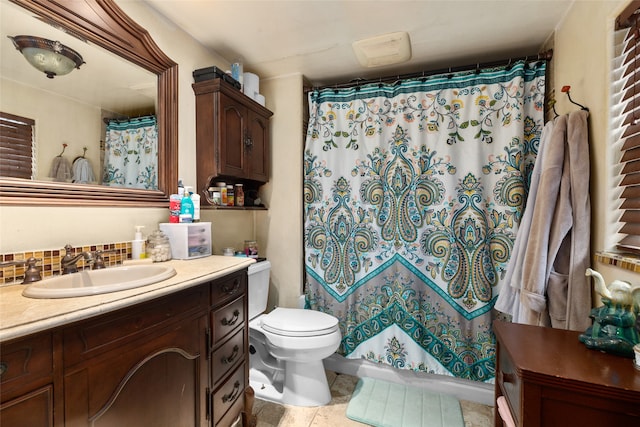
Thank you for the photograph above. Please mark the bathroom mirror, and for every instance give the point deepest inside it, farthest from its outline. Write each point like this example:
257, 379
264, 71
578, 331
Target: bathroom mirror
101, 31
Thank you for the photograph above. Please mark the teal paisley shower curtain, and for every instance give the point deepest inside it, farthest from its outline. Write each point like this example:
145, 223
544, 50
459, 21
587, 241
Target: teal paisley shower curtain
413, 193
131, 153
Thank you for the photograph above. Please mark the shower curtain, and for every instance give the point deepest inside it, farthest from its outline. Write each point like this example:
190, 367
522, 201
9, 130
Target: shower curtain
131, 153
413, 193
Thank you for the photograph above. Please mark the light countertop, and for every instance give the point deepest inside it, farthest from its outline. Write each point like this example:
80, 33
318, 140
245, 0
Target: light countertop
20, 316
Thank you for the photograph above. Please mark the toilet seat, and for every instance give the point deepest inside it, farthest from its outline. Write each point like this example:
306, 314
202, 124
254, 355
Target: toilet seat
297, 322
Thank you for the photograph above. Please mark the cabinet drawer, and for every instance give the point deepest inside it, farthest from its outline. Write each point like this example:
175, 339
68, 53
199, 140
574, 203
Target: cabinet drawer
113, 330
25, 362
228, 394
227, 356
226, 319
228, 288
510, 384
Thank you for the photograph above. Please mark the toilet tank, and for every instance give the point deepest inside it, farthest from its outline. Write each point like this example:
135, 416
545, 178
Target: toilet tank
258, 274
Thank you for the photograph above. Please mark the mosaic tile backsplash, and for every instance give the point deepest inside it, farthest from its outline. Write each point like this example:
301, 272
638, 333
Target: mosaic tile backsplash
49, 261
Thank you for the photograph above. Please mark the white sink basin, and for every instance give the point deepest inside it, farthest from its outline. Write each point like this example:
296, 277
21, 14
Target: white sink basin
94, 282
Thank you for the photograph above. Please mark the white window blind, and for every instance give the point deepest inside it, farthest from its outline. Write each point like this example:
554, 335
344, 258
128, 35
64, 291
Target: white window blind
627, 99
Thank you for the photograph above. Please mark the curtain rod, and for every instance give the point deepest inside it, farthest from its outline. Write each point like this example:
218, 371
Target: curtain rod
546, 56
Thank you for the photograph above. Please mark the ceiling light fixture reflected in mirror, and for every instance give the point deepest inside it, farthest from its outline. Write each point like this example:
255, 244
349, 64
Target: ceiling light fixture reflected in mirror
51, 57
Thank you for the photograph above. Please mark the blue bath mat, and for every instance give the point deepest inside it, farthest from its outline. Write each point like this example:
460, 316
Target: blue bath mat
384, 404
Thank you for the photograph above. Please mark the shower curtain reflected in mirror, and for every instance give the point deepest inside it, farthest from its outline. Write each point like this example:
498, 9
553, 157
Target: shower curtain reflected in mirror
131, 153
412, 197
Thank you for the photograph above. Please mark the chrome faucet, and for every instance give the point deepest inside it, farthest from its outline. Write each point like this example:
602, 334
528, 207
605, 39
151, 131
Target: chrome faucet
68, 262
32, 274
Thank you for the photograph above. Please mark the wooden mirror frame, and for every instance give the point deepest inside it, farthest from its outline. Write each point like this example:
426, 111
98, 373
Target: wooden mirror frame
104, 24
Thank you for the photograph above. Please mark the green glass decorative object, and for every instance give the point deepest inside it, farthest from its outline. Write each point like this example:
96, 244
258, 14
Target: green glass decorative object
614, 328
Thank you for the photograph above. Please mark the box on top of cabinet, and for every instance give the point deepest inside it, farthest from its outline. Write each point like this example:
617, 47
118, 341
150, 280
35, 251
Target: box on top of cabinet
188, 240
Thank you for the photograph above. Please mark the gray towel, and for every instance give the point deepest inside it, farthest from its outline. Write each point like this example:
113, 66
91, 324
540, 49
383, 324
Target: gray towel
60, 169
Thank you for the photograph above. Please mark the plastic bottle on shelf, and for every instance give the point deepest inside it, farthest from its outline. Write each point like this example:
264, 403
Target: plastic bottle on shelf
186, 206
195, 198
237, 71
230, 196
174, 207
223, 192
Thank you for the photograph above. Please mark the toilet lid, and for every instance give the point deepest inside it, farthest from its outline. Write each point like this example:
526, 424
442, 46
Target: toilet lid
297, 322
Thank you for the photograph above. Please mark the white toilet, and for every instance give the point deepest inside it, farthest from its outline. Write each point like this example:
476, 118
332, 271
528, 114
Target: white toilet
287, 347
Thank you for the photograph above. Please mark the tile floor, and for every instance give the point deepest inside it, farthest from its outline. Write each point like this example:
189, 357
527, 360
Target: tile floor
334, 414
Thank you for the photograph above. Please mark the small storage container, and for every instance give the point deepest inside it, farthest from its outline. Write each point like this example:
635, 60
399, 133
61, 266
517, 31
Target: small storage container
188, 240
211, 73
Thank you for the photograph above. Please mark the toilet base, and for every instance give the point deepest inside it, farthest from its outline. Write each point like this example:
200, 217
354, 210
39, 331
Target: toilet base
305, 384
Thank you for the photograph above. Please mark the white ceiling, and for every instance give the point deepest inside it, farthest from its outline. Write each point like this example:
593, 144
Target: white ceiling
314, 37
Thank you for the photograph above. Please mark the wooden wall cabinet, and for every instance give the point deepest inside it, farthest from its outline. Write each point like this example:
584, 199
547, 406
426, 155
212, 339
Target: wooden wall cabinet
177, 360
232, 135
549, 379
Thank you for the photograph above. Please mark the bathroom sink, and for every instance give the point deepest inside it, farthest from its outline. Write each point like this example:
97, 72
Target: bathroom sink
94, 282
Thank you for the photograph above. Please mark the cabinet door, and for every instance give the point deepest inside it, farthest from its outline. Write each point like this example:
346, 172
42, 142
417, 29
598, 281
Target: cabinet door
232, 137
159, 380
26, 378
30, 410
257, 148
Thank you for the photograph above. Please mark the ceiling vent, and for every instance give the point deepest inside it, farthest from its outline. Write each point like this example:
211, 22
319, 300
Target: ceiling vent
386, 49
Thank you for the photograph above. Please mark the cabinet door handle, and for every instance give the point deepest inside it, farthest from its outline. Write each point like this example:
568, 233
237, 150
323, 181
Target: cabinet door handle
233, 320
248, 143
506, 378
227, 360
3, 368
229, 290
234, 393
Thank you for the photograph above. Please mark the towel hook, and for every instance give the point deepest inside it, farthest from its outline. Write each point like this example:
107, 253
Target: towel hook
552, 103
566, 90
64, 147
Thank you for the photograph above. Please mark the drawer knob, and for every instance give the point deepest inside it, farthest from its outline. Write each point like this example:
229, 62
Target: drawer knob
227, 360
234, 393
232, 321
3, 368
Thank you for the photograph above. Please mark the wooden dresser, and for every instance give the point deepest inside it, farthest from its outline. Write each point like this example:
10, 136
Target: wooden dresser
549, 378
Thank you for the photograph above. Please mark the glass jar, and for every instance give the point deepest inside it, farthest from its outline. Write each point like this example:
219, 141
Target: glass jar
158, 247
217, 199
239, 195
251, 248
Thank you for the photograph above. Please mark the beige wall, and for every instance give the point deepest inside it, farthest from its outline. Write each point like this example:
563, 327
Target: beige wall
582, 59
279, 230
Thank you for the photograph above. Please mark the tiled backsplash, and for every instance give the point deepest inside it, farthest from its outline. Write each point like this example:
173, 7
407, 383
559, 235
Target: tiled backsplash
49, 261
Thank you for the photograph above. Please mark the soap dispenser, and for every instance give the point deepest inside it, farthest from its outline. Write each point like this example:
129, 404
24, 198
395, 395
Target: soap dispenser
186, 206
138, 250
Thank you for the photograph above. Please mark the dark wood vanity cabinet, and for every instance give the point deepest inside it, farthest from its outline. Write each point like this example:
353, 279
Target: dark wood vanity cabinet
232, 135
26, 381
549, 378
177, 360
